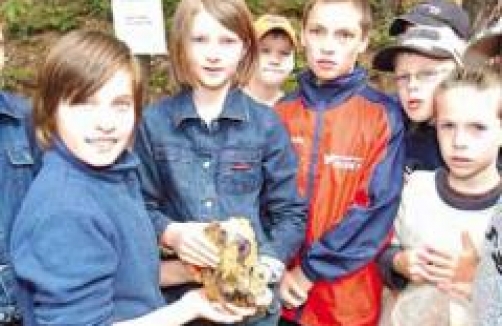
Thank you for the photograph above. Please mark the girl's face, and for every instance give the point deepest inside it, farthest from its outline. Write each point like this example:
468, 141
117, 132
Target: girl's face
214, 52
98, 130
416, 79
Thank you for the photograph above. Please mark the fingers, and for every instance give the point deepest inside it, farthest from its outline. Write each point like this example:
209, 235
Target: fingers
197, 250
291, 292
467, 243
265, 299
241, 311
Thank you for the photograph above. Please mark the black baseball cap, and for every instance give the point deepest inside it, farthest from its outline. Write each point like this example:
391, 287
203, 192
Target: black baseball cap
434, 13
434, 42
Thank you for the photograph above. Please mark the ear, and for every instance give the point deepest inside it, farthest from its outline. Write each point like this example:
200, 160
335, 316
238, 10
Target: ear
364, 43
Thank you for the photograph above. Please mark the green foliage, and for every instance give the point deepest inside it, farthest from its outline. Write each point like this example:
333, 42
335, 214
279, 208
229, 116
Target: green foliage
26, 17
13, 10
100, 8
12, 77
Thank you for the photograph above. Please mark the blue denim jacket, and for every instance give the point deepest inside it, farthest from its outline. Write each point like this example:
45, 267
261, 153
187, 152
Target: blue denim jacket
17, 167
242, 164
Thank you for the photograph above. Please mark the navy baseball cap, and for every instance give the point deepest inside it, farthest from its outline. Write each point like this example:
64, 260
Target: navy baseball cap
433, 42
434, 13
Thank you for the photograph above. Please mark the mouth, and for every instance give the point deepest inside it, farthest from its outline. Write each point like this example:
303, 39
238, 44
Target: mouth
414, 104
326, 64
459, 161
102, 143
213, 70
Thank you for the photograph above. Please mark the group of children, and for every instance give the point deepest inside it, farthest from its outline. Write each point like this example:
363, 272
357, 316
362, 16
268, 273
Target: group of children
92, 184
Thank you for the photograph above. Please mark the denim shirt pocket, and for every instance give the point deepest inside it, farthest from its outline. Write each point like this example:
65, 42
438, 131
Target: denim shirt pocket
22, 162
175, 164
239, 171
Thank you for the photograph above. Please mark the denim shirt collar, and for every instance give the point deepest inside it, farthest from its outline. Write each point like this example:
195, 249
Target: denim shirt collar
319, 96
116, 172
6, 107
234, 107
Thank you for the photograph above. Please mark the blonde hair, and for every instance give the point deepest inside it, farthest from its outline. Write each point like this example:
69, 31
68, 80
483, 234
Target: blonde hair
479, 77
78, 65
362, 5
233, 14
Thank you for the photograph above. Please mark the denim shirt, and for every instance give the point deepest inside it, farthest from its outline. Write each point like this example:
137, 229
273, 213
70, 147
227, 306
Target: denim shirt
242, 164
17, 166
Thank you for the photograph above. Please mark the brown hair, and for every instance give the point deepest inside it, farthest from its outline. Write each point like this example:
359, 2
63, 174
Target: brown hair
78, 65
479, 77
233, 14
362, 5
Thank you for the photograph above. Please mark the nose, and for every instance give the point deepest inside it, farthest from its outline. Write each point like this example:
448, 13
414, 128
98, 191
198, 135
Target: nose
106, 120
212, 52
459, 138
327, 45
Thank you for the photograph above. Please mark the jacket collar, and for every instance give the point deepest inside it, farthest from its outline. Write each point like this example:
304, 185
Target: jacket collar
125, 163
234, 107
324, 95
7, 107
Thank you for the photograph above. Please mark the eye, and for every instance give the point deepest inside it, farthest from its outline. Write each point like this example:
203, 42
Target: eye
344, 35
286, 53
265, 50
198, 39
123, 104
445, 126
478, 127
315, 30
229, 40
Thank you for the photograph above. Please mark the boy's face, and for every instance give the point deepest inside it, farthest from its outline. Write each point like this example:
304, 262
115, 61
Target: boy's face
416, 78
276, 59
99, 130
333, 39
469, 131
214, 52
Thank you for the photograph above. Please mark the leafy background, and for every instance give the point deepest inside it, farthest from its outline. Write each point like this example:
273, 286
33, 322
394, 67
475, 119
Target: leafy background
33, 25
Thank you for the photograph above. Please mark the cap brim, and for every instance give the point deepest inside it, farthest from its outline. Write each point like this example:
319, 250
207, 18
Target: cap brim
291, 36
488, 45
398, 26
385, 59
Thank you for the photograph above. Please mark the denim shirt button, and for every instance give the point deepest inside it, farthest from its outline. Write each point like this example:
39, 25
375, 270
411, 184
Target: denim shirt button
206, 165
208, 203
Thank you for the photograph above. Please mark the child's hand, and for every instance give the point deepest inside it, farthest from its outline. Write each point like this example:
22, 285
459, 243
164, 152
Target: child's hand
294, 288
408, 264
265, 299
220, 313
445, 268
190, 243
175, 272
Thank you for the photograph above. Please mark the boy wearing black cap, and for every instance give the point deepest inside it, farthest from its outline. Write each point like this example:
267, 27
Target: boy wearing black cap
435, 13
419, 59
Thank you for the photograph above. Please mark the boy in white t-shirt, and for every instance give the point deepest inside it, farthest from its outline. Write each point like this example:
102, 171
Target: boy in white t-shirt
444, 214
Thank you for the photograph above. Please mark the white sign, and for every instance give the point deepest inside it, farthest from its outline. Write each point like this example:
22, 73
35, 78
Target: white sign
140, 24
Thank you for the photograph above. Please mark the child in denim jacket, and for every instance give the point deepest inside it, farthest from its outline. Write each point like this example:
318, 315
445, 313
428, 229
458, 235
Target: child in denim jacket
18, 157
211, 152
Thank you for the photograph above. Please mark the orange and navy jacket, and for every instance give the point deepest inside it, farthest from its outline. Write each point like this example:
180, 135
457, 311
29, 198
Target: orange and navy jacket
349, 139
